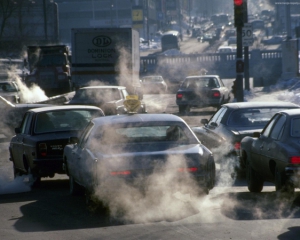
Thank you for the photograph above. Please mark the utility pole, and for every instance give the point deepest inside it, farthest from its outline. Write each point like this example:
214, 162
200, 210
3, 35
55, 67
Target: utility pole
239, 23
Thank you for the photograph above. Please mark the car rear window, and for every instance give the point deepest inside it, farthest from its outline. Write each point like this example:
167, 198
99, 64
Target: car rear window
254, 117
144, 134
200, 82
64, 120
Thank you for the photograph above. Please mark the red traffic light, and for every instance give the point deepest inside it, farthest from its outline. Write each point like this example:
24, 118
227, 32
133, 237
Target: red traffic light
238, 2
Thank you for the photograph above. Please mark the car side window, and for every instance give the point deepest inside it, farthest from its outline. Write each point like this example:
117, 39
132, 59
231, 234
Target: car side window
277, 130
218, 116
24, 125
270, 125
85, 135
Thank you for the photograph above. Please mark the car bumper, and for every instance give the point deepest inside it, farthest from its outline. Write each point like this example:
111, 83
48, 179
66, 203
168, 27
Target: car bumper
293, 174
199, 103
47, 167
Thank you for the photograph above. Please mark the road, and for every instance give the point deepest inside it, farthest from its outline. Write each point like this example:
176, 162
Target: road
230, 211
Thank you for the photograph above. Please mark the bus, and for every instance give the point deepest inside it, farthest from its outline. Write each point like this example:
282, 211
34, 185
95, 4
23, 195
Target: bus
170, 40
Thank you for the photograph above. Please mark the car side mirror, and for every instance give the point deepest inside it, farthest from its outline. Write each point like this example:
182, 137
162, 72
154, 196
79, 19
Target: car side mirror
204, 121
256, 134
17, 130
73, 140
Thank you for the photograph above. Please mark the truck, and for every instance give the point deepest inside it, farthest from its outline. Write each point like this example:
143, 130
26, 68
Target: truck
50, 68
105, 56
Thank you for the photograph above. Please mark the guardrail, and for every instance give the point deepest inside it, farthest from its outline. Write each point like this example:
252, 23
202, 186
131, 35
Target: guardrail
263, 64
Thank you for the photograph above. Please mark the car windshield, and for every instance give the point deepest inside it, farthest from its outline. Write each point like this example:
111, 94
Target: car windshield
144, 133
8, 87
253, 117
97, 94
63, 120
200, 82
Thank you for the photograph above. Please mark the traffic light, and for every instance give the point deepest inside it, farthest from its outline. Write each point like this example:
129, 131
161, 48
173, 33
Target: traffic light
238, 13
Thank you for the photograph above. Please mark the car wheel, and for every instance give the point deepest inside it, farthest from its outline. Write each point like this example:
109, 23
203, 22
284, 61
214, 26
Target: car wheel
17, 172
184, 109
254, 181
211, 176
281, 184
34, 178
75, 188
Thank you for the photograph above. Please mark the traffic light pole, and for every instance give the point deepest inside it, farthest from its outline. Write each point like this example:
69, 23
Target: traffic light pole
239, 23
239, 65
246, 52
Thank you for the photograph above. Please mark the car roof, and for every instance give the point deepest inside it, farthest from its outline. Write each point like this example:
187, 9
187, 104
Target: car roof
237, 105
102, 87
137, 118
291, 112
65, 107
202, 76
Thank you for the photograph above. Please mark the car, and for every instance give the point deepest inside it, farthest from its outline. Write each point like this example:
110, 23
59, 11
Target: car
226, 49
154, 84
201, 91
273, 40
208, 37
231, 123
10, 91
232, 40
230, 33
132, 149
273, 155
109, 98
37, 147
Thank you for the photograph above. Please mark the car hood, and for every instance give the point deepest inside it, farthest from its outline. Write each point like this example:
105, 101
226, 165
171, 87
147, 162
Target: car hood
150, 156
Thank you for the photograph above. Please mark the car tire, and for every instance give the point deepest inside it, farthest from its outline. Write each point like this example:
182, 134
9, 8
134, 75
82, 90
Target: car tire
35, 179
75, 188
211, 176
184, 109
17, 172
281, 183
254, 181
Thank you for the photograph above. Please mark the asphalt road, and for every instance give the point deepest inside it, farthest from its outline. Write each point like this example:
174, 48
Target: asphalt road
230, 211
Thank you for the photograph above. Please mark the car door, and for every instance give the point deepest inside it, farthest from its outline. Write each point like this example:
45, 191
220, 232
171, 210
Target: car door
260, 151
19, 141
271, 148
76, 162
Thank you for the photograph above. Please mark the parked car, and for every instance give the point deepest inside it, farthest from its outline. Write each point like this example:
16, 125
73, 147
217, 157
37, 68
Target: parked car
273, 155
37, 147
201, 91
154, 84
109, 98
234, 121
273, 40
10, 91
130, 149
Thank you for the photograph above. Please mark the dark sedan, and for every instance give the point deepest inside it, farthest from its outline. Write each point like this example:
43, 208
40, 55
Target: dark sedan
234, 121
133, 150
201, 91
37, 147
273, 155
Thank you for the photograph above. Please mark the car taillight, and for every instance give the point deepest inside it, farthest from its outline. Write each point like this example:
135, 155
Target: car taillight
179, 95
118, 173
295, 160
216, 94
43, 149
190, 169
237, 146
